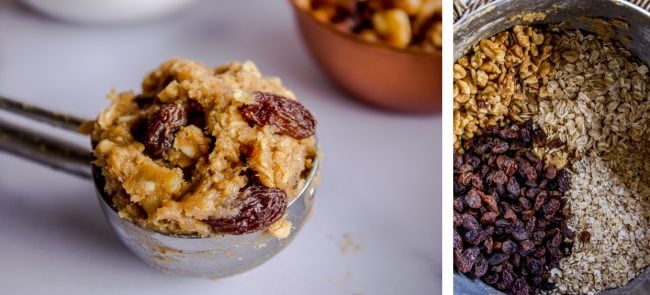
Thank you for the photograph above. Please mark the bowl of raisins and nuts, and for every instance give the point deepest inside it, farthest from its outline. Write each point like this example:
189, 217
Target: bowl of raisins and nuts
387, 53
550, 137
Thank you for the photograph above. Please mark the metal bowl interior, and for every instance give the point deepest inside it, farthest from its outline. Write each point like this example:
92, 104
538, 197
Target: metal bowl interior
503, 14
397, 79
210, 257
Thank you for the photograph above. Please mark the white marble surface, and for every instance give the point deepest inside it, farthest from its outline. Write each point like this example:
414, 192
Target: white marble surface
380, 180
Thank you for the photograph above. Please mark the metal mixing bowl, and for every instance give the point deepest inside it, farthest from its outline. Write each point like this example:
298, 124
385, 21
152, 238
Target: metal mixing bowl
500, 15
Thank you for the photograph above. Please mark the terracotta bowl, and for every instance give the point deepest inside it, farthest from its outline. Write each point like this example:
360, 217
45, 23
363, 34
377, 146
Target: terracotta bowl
396, 79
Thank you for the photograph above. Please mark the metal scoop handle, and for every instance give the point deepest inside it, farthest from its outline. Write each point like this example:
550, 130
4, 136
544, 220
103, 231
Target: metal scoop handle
39, 147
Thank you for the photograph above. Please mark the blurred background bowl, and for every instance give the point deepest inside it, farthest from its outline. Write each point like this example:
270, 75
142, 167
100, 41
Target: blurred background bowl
107, 11
397, 79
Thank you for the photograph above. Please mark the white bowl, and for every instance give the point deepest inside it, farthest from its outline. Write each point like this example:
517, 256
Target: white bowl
107, 11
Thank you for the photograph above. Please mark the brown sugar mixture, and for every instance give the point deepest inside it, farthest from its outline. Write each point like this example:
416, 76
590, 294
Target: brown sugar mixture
205, 151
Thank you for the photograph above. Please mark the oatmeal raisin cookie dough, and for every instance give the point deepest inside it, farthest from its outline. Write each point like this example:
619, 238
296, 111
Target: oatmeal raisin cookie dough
205, 151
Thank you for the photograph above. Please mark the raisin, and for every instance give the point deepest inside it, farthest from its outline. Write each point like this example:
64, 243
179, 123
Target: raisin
526, 205
469, 222
473, 199
499, 177
481, 148
554, 252
458, 242
532, 192
539, 201
162, 127
540, 252
502, 223
262, 206
509, 247
458, 160
526, 170
550, 172
530, 156
486, 233
489, 245
513, 186
473, 237
520, 287
538, 237
498, 258
477, 182
473, 161
555, 143
568, 233
465, 178
488, 217
500, 147
584, 236
535, 267
520, 234
507, 278
556, 240
480, 267
507, 165
459, 204
491, 202
469, 258
509, 214
508, 133
287, 115
458, 221
551, 207
526, 247
539, 138
563, 182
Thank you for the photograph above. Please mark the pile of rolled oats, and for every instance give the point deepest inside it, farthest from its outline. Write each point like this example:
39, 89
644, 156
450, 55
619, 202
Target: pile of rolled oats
608, 212
592, 95
596, 100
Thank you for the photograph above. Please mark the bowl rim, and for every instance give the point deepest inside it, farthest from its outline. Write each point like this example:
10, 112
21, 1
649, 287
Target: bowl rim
356, 39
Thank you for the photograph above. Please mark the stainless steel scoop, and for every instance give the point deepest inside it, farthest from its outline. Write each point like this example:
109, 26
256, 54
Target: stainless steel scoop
212, 257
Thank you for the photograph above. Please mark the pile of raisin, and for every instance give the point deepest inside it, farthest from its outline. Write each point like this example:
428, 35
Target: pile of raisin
510, 224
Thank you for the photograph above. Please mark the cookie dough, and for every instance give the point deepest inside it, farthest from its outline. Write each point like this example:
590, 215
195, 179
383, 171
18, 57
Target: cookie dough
205, 151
